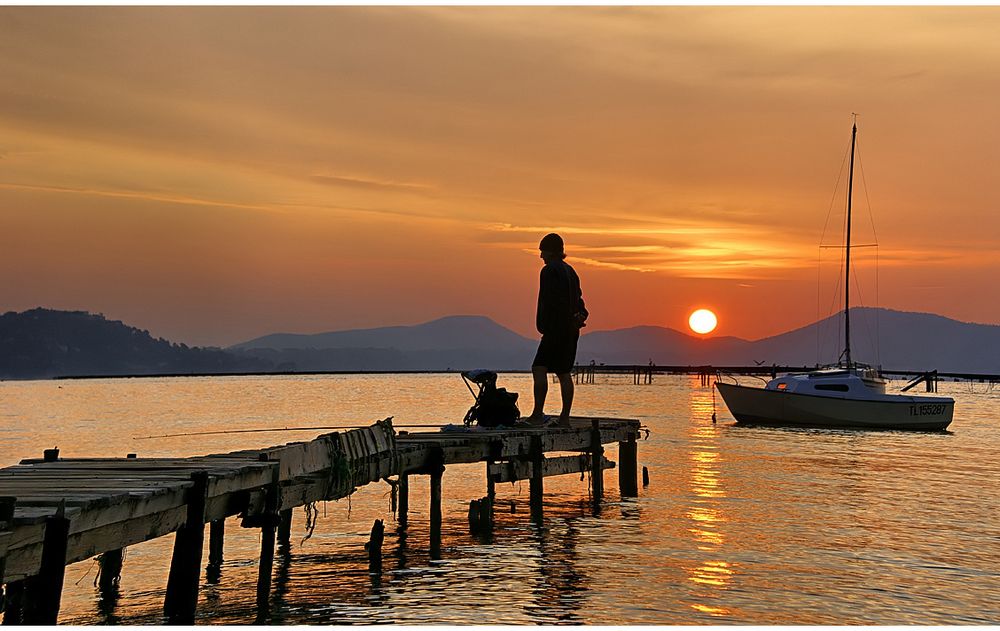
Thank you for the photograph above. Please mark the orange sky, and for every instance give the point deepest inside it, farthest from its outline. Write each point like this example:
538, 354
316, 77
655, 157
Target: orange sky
215, 174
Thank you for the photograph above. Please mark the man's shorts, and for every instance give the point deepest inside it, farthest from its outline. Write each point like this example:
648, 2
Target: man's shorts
557, 352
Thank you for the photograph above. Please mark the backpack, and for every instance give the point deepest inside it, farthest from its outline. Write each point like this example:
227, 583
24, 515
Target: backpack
494, 407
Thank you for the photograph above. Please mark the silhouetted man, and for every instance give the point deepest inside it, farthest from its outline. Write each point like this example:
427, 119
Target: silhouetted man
561, 314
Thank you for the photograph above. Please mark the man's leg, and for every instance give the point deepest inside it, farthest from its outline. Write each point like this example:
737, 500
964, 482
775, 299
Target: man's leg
540, 375
566, 388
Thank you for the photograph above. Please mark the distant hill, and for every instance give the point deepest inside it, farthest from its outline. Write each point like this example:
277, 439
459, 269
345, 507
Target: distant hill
907, 341
43, 343
455, 342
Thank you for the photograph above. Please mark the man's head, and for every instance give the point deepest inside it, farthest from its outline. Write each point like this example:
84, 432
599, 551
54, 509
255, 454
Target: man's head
551, 247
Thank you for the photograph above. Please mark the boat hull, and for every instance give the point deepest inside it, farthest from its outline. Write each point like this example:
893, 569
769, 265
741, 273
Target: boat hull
774, 407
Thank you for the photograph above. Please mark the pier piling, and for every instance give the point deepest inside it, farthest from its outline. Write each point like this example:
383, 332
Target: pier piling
627, 463
403, 506
110, 570
13, 603
285, 527
43, 593
436, 473
181, 599
216, 542
267, 536
537, 457
596, 461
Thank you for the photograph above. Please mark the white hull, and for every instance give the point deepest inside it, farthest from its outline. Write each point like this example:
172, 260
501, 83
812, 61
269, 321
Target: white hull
887, 411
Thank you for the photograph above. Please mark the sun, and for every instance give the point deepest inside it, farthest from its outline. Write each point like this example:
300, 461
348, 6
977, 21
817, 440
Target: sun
702, 321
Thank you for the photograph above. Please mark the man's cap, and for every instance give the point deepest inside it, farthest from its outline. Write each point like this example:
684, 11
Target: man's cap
551, 243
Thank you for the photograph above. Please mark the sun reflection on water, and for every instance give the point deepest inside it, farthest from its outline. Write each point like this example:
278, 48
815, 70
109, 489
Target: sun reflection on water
711, 574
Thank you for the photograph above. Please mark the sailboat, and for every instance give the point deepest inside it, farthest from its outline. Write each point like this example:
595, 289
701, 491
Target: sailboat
848, 394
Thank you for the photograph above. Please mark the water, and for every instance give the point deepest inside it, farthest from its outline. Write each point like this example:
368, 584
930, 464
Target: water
739, 525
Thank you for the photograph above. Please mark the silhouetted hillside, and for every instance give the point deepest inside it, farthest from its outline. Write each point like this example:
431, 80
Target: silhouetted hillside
455, 342
43, 343
907, 341
898, 340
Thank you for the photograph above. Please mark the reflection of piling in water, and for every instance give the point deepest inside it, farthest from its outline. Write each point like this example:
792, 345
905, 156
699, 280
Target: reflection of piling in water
83, 507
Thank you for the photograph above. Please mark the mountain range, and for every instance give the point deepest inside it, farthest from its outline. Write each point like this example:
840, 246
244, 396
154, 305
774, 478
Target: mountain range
894, 339
43, 343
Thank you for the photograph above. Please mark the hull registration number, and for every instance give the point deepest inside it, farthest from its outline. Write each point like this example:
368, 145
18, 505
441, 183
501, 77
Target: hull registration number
934, 409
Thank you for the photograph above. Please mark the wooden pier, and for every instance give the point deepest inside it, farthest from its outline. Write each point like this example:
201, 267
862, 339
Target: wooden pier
56, 511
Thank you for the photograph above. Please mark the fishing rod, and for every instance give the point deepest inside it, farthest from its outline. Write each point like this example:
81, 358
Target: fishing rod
272, 429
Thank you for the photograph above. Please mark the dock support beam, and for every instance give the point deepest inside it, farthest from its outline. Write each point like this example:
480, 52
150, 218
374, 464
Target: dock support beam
185, 565
216, 543
627, 468
285, 527
266, 566
13, 603
111, 571
596, 456
491, 486
537, 457
404, 498
43, 593
437, 471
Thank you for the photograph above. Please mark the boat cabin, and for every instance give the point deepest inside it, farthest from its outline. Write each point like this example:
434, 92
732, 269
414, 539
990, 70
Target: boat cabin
857, 382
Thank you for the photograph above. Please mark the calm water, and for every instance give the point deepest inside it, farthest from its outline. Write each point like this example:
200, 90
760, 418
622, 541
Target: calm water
738, 525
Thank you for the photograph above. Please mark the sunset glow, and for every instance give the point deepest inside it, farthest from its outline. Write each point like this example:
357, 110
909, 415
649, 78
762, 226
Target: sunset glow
213, 174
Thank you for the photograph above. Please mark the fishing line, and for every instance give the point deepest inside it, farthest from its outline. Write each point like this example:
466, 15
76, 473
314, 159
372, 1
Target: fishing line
273, 429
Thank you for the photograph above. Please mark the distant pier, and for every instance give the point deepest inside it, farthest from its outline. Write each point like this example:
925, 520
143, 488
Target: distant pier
56, 511
643, 373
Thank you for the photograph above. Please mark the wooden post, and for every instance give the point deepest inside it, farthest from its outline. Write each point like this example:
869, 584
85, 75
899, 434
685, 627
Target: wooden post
111, 571
537, 457
13, 603
43, 593
181, 599
285, 527
627, 464
491, 486
264, 569
404, 498
11, 598
437, 471
596, 455
6, 523
216, 542
645, 476
374, 547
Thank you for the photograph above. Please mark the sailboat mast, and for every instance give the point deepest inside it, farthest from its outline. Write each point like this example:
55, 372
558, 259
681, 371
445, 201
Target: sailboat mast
847, 266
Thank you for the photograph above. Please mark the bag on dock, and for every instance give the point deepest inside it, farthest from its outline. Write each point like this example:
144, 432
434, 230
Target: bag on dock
494, 406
